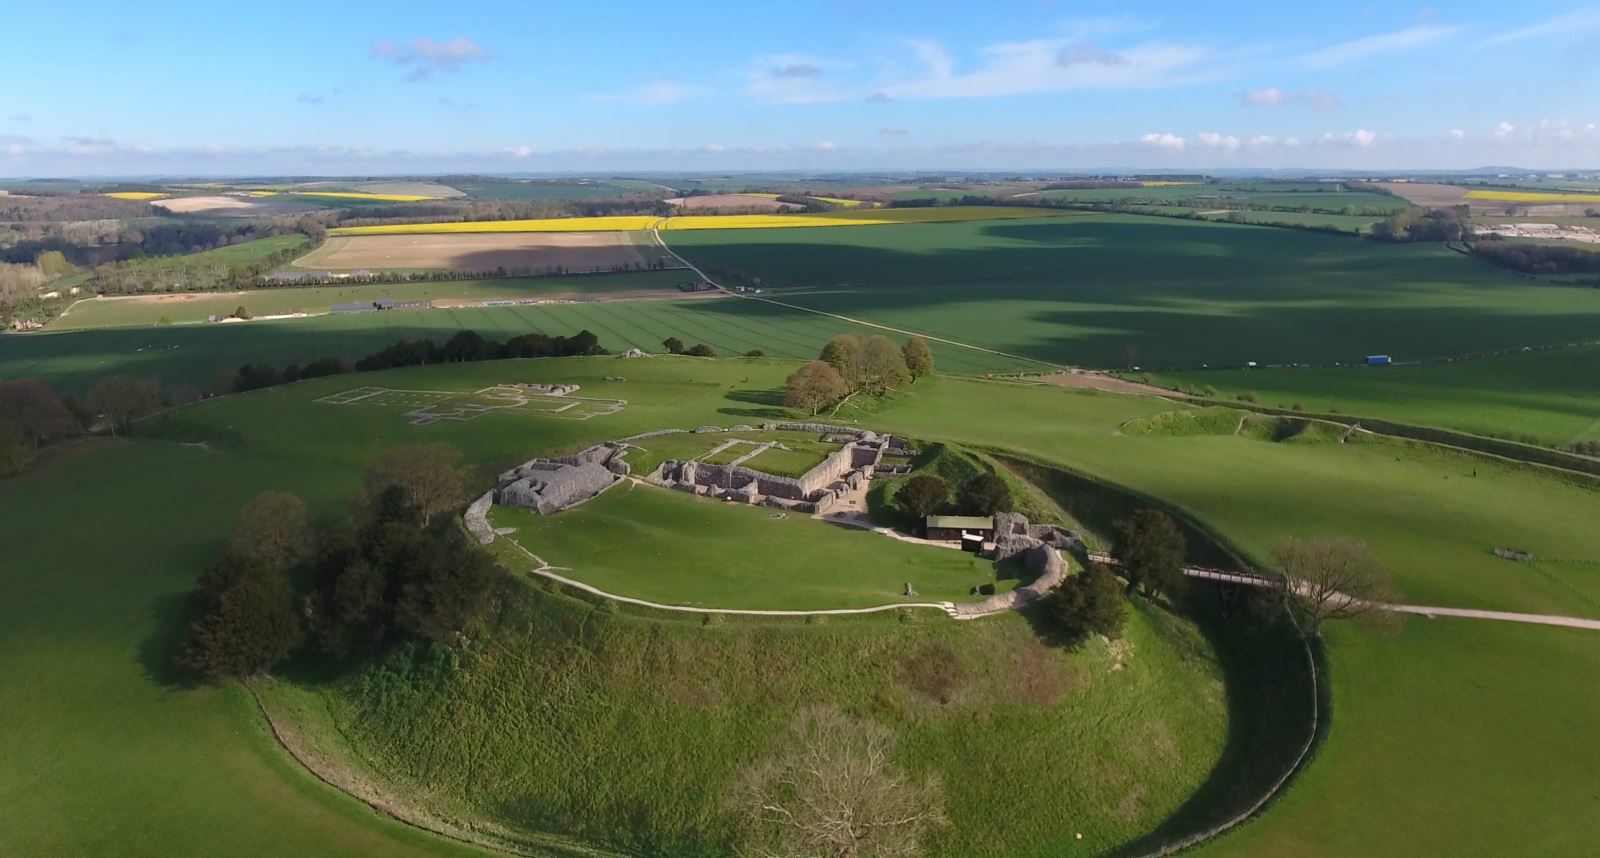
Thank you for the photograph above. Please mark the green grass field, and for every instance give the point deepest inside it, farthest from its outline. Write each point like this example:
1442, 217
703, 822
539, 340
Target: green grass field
1551, 395
1120, 291
1454, 738
1329, 199
204, 355
198, 306
700, 552
1475, 736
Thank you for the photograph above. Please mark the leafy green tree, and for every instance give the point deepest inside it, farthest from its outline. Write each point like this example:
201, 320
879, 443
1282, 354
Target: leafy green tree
1089, 603
446, 585
673, 345
922, 495
844, 354
428, 476
984, 494
1151, 550
273, 528
240, 312
15, 453
918, 357
883, 366
247, 621
813, 387
701, 350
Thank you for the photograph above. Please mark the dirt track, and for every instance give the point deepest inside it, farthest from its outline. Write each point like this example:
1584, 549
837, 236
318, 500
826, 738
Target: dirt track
1086, 380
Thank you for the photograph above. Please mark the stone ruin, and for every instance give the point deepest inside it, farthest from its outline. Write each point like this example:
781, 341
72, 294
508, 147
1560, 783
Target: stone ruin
550, 485
1040, 547
815, 491
549, 389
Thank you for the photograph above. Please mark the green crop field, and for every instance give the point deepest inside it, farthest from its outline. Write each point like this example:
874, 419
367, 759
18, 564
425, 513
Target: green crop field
1552, 395
1261, 197
1120, 291
202, 355
707, 553
199, 306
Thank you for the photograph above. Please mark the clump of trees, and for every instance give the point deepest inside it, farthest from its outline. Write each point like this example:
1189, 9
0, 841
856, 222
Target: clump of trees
874, 366
984, 493
836, 792
396, 571
922, 495
1443, 224
1150, 550
1540, 259
121, 399
674, 346
1087, 604
1333, 578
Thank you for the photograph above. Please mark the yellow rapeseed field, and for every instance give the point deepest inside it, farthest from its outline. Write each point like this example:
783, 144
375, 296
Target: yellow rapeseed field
357, 195
135, 195
838, 201
621, 223
628, 223
1532, 197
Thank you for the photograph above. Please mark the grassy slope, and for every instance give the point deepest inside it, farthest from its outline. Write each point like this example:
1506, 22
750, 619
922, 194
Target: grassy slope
1455, 738
706, 553
1552, 395
103, 754
1121, 290
197, 307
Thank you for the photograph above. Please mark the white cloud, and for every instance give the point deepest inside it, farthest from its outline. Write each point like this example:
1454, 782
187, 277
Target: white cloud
15, 144
1263, 141
1457, 134
92, 144
654, 92
1214, 140
1269, 97
1504, 130
1561, 25
715, 148
1382, 44
426, 57
1361, 138
828, 146
1164, 141
520, 151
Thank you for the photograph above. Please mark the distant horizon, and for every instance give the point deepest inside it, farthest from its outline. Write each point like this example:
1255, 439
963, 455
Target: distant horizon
371, 89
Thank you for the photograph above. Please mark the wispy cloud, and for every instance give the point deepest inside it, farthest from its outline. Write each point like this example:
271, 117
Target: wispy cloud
20, 117
1316, 99
426, 57
89, 144
1577, 21
1382, 44
653, 92
797, 69
893, 132
15, 144
1049, 65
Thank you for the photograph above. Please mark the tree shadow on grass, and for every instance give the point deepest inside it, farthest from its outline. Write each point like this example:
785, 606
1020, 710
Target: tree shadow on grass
158, 653
771, 402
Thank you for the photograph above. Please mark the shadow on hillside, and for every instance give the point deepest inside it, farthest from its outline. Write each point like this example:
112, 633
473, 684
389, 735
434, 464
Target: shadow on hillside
770, 400
170, 614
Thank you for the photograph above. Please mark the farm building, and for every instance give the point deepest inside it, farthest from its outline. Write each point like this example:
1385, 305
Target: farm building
950, 528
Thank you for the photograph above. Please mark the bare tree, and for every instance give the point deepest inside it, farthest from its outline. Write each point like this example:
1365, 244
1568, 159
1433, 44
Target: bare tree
1332, 578
274, 528
814, 386
428, 475
837, 794
121, 399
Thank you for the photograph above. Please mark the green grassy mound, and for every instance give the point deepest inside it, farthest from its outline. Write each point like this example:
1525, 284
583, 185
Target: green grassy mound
1178, 424
627, 731
673, 548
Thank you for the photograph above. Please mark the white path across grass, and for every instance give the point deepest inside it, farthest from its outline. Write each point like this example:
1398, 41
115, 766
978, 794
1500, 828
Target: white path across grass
656, 232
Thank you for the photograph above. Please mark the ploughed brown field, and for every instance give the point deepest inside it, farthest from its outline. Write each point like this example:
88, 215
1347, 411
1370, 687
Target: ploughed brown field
732, 203
573, 251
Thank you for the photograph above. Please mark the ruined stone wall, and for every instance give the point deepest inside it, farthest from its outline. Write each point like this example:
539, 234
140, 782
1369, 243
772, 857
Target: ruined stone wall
477, 518
1052, 571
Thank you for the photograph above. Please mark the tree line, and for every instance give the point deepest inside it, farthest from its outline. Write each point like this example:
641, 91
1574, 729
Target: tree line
33, 416
464, 346
397, 571
1538, 259
849, 364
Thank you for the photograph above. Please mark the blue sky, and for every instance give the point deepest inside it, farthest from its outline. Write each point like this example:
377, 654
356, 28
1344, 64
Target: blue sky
354, 87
